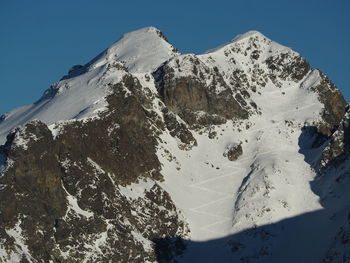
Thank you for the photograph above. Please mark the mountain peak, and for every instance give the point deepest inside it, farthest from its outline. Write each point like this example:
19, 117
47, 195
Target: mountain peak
255, 40
151, 31
248, 34
224, 148
141, 51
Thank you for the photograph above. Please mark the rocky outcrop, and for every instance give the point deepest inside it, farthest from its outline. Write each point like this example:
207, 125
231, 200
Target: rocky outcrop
178, 129
288, 66
334, 105
338, 147
200, 95
232, 152
32, 194
66, 197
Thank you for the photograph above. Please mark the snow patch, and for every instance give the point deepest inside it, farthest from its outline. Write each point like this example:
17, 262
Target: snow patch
147, 244
96, 166
312, 80
136, 190
22, 138
99, 243
19, 241
112, 128
73, 206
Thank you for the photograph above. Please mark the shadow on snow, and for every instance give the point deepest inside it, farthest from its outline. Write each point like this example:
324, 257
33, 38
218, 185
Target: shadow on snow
305, 238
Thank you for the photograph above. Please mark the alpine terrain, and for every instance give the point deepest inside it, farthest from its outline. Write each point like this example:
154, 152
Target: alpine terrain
240, 154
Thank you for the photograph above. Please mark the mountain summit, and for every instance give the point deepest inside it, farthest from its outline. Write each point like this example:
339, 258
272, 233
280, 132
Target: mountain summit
140, 51
77, 95
144, 154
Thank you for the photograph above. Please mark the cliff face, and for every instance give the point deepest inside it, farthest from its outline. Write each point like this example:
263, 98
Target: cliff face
71, 192
142, 148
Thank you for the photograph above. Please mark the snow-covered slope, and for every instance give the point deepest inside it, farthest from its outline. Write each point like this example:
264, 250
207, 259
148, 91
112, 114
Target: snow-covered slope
82, 95
141, 51
64, 100
270, 181
236, 135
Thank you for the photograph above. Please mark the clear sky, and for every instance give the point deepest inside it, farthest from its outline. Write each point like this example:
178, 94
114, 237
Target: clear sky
40, 40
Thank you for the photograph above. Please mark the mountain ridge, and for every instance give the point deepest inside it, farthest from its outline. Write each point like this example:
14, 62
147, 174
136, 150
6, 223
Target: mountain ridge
102, 60
156, 151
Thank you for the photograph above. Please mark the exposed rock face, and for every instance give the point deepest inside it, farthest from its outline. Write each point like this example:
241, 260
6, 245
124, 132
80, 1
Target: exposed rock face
338, 148
334, 105
32, 194
77, 187
178, 129
198, 93
285, 66
233, 152
334, 176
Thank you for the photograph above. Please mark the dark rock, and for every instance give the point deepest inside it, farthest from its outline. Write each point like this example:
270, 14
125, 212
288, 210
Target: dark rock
232, 152
89, 162
296, 69
334, 105
192, 99
2, 117
178, 129
339, 145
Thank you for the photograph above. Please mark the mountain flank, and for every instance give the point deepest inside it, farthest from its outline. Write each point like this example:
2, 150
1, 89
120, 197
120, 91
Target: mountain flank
144, 154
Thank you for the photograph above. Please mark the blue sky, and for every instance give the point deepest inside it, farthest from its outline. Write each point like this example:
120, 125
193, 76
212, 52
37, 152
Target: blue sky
40, 40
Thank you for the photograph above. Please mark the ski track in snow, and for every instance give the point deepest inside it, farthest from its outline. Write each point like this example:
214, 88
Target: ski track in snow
227, 197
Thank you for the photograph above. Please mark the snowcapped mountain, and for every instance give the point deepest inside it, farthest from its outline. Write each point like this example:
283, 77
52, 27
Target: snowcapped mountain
144, 154
82, 92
